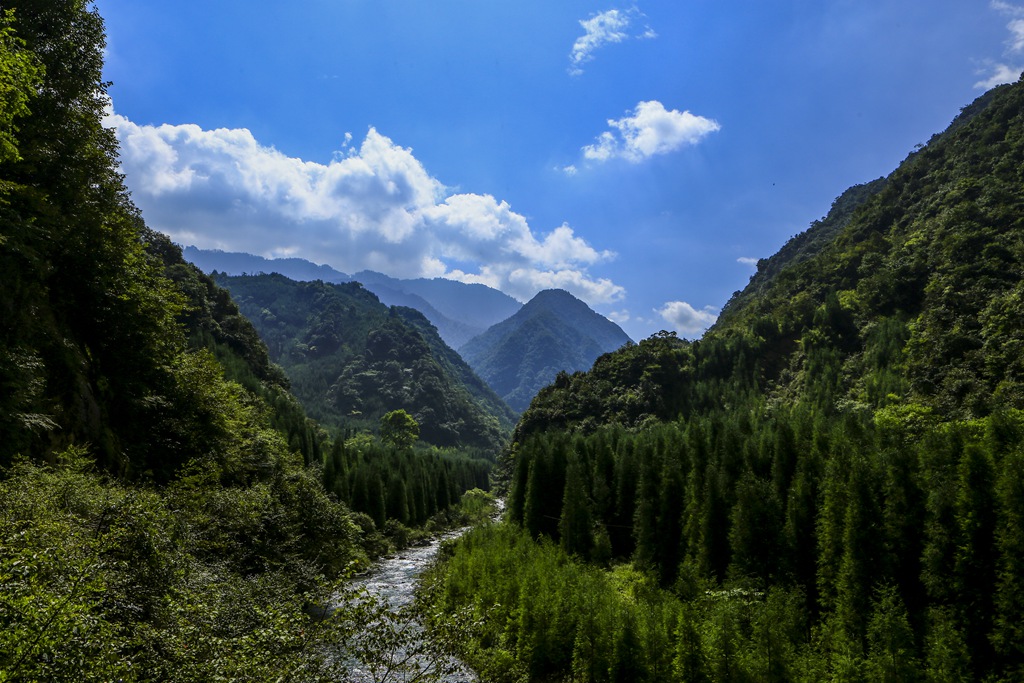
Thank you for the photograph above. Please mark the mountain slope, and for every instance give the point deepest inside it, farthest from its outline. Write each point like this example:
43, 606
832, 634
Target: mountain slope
828, 485
351, 359
910, 300
453, 332
552, 333
843, 452
148, 507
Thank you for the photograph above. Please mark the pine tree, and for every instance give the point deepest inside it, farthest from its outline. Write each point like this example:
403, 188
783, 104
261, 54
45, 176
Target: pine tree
891, 641
645, 518
974, 561
574, 527
946, 657
1008, 632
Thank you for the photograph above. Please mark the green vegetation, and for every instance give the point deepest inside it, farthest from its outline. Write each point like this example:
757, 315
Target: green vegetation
163, 514
827, 486
399, 429
844, 524
400, 484
351, 360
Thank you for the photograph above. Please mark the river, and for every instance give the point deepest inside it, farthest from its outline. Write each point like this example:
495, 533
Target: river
394, 581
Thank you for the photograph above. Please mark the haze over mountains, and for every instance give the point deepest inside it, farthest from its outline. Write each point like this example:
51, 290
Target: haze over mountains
458, 310
517, 349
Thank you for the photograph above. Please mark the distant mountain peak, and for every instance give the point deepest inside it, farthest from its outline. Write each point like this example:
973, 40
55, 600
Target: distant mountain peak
553, 332
554, 296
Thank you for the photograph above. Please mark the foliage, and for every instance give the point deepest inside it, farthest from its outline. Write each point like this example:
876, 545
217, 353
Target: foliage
20, 74
400, 484
399, 429
105, 581
855, 558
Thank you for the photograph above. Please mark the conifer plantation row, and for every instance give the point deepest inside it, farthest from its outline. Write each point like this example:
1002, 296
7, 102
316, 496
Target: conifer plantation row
403, 485
842, 547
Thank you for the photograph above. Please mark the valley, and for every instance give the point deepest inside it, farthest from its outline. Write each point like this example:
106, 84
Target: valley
217, 466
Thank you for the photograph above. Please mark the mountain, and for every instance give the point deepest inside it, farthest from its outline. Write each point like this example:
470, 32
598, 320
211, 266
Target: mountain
903, 294
238, 263
830, 482
351, 359
554, 332
458, 310
453, 332
475, 305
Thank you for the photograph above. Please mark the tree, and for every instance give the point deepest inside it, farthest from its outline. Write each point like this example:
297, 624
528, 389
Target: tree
1008, 634
19, 76
891, 640
574, 528
399, 429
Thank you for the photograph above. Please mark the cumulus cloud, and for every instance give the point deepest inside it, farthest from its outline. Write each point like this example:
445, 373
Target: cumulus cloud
603, 28
648, 131
375, 207
747, 260
685, 319
1008, 71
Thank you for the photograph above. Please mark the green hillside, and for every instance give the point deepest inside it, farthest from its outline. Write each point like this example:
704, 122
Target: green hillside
828, 486
352, 359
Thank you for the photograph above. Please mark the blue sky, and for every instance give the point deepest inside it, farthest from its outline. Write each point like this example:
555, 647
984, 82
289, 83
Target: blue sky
641, 155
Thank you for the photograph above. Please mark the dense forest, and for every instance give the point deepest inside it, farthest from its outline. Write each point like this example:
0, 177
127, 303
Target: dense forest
828, 486
167, 509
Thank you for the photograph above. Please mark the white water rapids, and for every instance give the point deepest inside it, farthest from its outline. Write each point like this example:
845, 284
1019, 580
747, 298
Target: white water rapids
393, 579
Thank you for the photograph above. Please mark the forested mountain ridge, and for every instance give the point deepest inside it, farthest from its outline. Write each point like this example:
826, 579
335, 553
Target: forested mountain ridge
554, 332
829, 485
238, 263
903, 293
351, 359
458, 310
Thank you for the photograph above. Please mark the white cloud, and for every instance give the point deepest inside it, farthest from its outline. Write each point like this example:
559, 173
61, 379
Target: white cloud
747, 260
685, 319
375, 208
1017, 35
1004, 72
603, 28
998, 75
619, 316
649, 130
